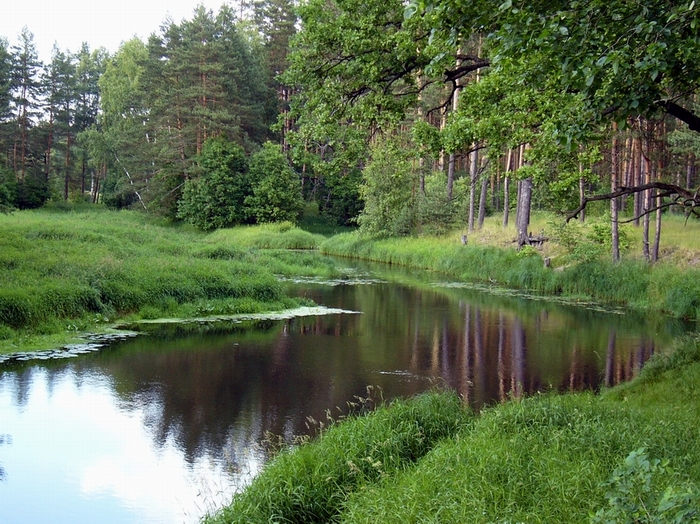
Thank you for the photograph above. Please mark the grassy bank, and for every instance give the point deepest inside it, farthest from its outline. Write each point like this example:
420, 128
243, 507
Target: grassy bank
629, 455
671, 286
67, 271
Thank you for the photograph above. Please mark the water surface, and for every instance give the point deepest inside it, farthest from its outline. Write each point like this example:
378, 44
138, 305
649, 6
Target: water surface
166, 426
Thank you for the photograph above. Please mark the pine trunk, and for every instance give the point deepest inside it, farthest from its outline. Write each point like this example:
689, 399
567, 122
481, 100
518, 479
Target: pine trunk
473, 173
523, 216
614, 176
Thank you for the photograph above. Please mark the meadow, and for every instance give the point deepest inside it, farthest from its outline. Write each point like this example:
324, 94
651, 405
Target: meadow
66, 272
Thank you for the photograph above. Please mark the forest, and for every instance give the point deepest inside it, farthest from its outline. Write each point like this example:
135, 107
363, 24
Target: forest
400, 118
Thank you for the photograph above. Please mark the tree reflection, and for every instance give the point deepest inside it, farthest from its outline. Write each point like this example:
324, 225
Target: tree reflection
223, 390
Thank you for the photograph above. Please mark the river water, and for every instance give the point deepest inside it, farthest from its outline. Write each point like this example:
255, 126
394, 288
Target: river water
166, 426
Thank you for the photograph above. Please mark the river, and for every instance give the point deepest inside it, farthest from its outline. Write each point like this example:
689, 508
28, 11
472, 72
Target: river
166, 426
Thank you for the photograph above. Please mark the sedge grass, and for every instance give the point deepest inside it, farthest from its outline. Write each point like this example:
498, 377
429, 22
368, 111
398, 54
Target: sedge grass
73, 271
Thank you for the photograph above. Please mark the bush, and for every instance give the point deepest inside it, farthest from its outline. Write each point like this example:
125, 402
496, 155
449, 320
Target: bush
276, 187
216, 198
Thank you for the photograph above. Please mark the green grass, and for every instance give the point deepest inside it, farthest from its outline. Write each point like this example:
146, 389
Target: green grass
69, 271
630, 455
311, 483
668, 287
282, 235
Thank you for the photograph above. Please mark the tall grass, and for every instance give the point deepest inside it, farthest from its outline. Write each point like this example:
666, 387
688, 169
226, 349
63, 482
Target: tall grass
567, 459
664, 287
61, 267
312, 483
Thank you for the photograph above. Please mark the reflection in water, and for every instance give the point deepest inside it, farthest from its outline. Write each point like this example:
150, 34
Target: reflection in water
161, 427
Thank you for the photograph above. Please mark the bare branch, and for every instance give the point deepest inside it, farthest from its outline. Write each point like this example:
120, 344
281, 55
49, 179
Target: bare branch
685, 198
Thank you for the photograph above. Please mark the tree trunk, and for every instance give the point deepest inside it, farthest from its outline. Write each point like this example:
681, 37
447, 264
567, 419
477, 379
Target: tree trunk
614, 176
482, 201
647, 207
451, 161
638, 181
523, 216
473, 173
657, 232
450, 176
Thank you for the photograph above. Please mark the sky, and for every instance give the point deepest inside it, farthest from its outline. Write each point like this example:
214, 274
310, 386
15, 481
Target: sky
100, 23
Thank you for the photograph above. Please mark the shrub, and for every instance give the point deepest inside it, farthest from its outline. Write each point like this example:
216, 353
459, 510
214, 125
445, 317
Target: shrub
276, 187
216, 198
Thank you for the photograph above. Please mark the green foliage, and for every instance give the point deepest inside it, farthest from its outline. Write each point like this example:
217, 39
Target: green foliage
435, 215
311, 483
276, 188
576, 48
339, 197
7, 191
390, 190
601, 233
217, 198
635, 497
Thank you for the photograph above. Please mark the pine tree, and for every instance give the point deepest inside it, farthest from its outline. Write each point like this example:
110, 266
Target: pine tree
32, 189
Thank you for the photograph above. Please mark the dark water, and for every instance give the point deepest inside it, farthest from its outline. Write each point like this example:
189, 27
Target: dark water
166, 426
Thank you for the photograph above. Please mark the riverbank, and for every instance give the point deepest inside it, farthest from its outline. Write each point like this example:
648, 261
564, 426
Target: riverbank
69, 272
670, 287
627, 455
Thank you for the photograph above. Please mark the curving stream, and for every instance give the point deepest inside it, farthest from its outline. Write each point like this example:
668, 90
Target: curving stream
164, 427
